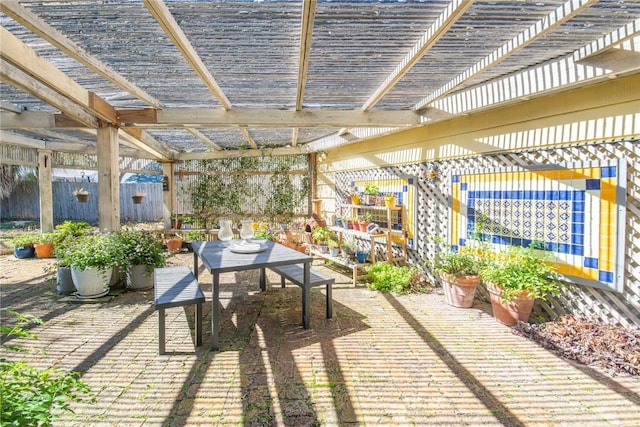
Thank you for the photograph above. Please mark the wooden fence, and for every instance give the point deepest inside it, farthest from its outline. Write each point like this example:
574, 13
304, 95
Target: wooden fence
24, 204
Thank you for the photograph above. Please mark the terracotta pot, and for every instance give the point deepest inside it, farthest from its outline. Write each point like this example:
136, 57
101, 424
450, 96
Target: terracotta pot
174, 245
82, 198
43, 250
509, 312
137, 199
459, 291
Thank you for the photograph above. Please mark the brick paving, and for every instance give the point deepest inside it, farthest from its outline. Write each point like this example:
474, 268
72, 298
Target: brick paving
383, 359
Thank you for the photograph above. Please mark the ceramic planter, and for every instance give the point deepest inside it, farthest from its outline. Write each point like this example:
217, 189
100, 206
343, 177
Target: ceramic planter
459, 291
334, 251
138, 279
64, 281
362, 256
91, 282
43, 250
25, 252
509, 312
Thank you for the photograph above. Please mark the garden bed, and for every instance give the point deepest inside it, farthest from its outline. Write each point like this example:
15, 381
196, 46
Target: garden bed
614, 349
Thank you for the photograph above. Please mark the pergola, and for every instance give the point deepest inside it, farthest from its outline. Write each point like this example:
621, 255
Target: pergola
177, 80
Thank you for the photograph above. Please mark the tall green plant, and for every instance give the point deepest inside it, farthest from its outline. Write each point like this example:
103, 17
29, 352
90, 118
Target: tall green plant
30, 396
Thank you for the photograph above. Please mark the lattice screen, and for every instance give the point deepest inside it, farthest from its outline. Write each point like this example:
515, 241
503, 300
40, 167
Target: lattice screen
432, 220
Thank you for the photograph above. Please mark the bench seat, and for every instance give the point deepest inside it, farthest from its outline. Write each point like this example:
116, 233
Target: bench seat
295, 274
176, 287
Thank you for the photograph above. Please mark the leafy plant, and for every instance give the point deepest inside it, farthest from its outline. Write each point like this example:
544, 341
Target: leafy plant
387, 277
371, 188
45, 238
139, 248
193, 235
65, 235
96, 250
333, 243
24, 240
265, 233
32, 396
321, 234
457, 264
520, 269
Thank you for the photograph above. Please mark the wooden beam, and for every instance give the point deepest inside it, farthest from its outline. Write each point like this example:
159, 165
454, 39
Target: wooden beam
247, 136
227, 154
306, 32
10, 106
38, 26
267, 118
447, 18
533, 32
203, 138
25, 141
161, 13
17, 78
26, 59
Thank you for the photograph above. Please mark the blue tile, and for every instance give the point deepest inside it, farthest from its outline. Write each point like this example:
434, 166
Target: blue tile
592, 184
462, 242
590, 262
605, 276
577, 250
405, 188
454, 248
564, 195
577, 217
578, 206
563, 248
608, 172
410, 181
578, 195
577, 239
577, 228
455, 178
516, 242
528, 194
463, 186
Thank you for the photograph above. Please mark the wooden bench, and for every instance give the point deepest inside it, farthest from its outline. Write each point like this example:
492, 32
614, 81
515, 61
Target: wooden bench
176, 287
295, 274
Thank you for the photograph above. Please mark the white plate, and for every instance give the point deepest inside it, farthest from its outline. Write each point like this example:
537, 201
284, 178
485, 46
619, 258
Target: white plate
247, 248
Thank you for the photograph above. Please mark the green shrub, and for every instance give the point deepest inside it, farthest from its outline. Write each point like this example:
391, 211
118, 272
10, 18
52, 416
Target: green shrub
140, 248
32, 396
387, 277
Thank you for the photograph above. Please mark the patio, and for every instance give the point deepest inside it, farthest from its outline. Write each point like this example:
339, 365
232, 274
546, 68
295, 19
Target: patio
382, 360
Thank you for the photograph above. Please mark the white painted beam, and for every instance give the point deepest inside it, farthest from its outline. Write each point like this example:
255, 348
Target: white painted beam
533, 32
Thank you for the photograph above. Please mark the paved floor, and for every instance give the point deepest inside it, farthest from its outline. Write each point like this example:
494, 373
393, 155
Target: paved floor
383, 360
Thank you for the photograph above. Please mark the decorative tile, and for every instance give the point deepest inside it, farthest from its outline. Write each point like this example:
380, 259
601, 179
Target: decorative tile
576, 212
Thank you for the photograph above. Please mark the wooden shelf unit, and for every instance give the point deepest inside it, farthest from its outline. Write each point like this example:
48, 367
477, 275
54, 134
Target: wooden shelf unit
388, 216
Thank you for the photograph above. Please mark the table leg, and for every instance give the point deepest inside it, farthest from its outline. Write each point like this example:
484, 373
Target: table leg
263, 279
195, 264
215, 312
306, 296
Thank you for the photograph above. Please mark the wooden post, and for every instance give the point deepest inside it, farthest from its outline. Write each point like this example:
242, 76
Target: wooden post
46, 192
108, 179
168, 194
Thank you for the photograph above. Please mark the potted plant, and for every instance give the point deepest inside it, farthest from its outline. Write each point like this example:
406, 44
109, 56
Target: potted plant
43, 245
143, 253
346, 249
23, 245
354, 196
514, 279
138, 197
176, 221
65, 235
364, 221
187, 222
174, 243
81, 194
459, 274
370, 192
320, 235
190, 237
389, 200
92, 259
334, 246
